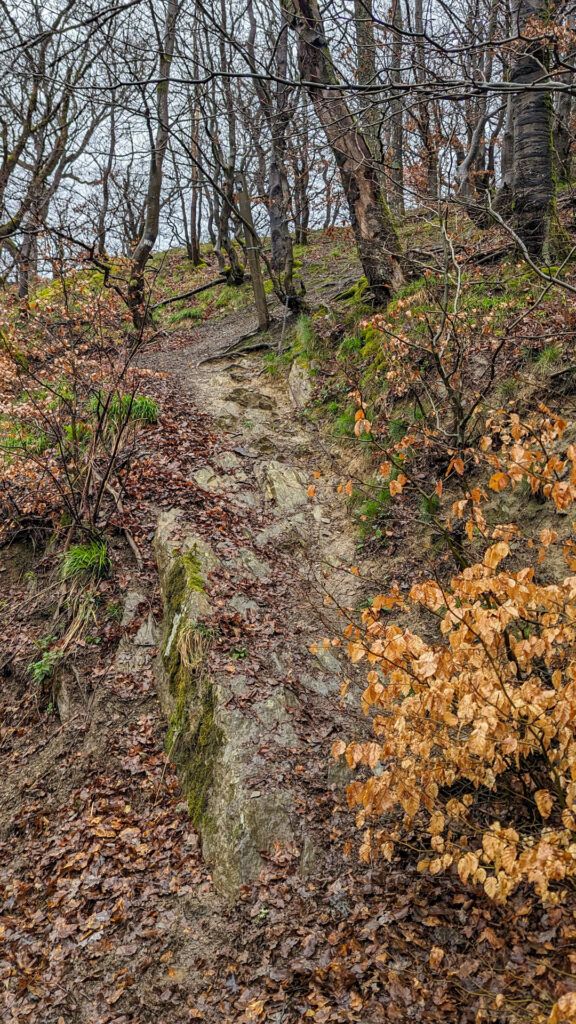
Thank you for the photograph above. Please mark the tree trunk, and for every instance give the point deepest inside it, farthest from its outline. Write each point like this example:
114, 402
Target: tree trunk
532, 122
376, 238
106, 174
235, 270
429, 142
195, 198
278, 191
396, 115
563, 135
366, 75
301, 169
149, 235
277, 114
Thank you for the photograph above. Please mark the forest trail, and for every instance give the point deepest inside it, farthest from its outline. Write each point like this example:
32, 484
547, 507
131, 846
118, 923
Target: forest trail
293, 578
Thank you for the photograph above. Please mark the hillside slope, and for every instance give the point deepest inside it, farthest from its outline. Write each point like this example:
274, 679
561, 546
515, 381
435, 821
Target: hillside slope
344, 460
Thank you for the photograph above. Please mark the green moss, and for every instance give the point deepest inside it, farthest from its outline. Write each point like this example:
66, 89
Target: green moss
175, 588
193, 739
199, 770
354, 295
185, 574
191, 564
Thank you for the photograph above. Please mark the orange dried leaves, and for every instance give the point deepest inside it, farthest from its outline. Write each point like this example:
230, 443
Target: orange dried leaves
494, 695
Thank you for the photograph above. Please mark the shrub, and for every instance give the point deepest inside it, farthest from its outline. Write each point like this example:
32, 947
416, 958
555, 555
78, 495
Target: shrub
71, 410
474, 730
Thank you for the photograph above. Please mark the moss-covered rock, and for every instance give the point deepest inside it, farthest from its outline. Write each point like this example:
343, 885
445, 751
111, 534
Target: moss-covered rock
213, 743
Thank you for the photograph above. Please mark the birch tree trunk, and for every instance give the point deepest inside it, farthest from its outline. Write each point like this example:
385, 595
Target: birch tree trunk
532, 123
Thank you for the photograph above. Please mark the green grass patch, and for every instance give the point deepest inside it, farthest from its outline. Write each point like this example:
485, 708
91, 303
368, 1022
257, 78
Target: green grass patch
193, 313
548, 356
120, 407
77, 433
89, 560
22, 439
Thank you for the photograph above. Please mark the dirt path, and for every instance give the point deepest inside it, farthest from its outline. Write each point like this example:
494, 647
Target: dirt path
294, 578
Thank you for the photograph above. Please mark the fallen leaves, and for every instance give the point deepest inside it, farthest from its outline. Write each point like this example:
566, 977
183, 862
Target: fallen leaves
564, 1010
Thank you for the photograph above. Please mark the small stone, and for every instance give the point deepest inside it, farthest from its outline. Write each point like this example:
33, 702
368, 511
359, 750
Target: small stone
310, 857
300, 385
131, 604
243, 605
285, 535
63, 699
282, 484
147, 635
227, 461
251, 399
329, 662
324, 685
256, 566
247, 498
208, 480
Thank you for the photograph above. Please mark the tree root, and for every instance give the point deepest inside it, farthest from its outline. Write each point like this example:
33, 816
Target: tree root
254, 341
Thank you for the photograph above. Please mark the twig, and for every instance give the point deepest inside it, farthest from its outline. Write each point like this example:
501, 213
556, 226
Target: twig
195, 291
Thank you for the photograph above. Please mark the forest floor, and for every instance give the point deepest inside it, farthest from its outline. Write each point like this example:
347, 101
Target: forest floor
109, 913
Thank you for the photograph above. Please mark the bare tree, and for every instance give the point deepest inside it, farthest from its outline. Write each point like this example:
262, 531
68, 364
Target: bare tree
141, 254
376, 237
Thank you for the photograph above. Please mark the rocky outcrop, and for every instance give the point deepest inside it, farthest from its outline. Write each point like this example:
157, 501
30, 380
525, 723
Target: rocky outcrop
213, 742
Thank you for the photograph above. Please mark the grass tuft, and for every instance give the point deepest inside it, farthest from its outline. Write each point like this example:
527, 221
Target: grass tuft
122, 407
88, 560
